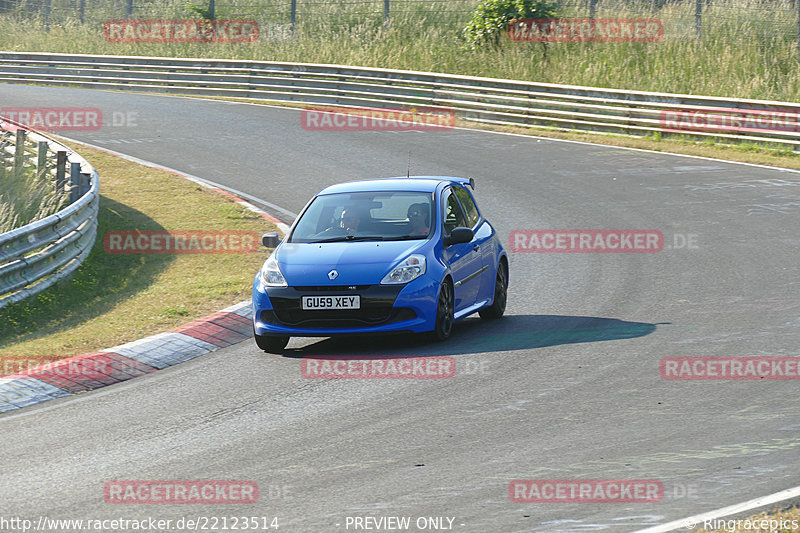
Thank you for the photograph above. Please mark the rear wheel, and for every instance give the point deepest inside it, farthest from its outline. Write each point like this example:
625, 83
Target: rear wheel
272, 343
498, 307
444, 312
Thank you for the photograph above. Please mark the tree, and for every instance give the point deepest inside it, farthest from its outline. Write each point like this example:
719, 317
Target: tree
491, 18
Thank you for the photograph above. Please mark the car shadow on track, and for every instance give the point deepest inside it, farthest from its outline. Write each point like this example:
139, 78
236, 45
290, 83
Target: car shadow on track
473, 335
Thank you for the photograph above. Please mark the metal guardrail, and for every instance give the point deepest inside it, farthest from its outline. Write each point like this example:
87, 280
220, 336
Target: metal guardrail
37, 255
489, 100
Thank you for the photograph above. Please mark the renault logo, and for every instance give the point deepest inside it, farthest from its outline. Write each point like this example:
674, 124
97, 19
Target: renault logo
333, 274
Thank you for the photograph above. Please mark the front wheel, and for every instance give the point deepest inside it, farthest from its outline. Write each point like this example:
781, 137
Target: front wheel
498, 307
272, 343
444, 312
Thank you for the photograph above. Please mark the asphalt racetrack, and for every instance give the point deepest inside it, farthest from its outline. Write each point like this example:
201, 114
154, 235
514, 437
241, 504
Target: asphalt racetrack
566, 386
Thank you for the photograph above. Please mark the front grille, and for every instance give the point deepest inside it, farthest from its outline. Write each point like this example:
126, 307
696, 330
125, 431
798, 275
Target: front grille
377, 308
336, 319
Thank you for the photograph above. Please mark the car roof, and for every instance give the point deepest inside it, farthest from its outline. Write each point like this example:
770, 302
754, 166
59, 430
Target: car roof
411, 183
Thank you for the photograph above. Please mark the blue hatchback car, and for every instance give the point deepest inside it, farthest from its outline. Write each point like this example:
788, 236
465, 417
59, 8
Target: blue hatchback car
381, 256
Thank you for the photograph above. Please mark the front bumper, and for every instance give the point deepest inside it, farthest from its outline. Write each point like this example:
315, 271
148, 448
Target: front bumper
384, 309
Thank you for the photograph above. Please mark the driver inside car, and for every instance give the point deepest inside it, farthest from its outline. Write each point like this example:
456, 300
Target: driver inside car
418, 219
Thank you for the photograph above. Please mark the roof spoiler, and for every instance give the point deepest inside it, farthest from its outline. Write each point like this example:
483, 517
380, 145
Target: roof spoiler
462, 181
466, 181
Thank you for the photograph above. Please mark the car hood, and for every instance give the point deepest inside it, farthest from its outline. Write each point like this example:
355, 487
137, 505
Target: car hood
358, 263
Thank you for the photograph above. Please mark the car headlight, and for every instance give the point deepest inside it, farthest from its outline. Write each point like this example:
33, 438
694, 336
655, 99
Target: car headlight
409, 270
270, 274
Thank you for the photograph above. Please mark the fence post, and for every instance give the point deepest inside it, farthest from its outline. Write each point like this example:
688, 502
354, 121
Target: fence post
46, 13
211, 10
19, 153
81, 10
385, 10
41, 160
129, 9
61, 170
698, 18
4, 155
86, 182
592, 8
74, 182
798, 26
293, 15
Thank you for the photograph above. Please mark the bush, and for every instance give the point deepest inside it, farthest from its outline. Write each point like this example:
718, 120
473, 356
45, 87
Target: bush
491, 18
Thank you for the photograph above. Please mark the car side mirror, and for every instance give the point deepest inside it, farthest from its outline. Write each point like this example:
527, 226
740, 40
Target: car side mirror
458, 236
270, 240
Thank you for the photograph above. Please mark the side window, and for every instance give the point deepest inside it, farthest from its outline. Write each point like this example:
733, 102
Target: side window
453, 215
469, 206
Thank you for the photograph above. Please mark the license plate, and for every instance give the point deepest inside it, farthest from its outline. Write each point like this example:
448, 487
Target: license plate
331, 302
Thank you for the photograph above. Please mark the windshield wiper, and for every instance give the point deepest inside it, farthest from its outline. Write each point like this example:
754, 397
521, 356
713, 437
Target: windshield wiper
348, 238
408, 237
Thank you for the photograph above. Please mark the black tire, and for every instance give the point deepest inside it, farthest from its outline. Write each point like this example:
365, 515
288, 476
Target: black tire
444, 312
498, 307
272, 343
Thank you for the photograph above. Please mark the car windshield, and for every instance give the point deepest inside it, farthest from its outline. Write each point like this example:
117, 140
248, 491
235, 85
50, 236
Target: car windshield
366, 216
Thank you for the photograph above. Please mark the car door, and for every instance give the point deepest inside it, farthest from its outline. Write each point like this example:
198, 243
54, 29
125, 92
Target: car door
483, 240
463, 259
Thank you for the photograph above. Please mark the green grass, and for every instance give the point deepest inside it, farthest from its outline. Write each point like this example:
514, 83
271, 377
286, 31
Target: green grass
748, 49
117, 298
25, 195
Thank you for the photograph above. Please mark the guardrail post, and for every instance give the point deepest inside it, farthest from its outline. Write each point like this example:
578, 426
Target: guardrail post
86, 184
19, 152
61, 169
74, 182
41, 160
698, 18
4, 155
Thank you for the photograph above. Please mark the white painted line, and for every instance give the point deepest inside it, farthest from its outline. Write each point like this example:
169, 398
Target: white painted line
532, 136
191, 177
698, 519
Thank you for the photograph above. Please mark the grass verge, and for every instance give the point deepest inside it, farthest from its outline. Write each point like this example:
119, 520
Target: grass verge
26, 195
117, 298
